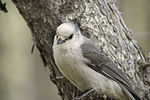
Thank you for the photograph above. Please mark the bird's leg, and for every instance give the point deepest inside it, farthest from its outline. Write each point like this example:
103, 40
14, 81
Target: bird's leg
60, 76
83, 95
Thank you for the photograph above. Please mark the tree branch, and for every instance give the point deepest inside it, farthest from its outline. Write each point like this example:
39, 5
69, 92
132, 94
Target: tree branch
99, 20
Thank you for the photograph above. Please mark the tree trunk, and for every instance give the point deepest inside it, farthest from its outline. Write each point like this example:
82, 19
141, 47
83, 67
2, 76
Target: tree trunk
99, 20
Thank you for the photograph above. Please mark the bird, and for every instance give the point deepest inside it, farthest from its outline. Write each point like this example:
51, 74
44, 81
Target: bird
87, 67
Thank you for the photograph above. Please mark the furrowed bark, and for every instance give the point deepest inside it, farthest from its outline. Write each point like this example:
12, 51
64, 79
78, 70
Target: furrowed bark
99, 20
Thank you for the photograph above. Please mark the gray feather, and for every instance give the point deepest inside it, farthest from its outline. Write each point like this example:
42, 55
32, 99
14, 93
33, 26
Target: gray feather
99, 62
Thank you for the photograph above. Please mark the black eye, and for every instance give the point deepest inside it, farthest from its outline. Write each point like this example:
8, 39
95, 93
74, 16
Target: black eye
70, 37
56, 36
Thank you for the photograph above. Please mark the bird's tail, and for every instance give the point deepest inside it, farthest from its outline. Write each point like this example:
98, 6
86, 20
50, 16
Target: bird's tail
132, 95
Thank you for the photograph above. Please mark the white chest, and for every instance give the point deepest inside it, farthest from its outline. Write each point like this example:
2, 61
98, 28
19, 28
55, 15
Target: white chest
71, 65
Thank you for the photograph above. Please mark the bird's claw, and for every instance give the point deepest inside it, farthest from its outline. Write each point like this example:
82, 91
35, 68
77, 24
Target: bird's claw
77, 98
60, 77
83, 95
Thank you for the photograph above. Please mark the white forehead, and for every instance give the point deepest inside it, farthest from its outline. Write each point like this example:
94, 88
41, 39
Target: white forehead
65, 29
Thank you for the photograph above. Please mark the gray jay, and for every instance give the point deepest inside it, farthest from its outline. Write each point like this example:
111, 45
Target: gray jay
86, 67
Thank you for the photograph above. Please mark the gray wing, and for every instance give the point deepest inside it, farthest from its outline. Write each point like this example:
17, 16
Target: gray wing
99, 62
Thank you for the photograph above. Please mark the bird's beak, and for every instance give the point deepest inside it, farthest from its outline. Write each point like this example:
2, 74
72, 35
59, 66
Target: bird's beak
60, 41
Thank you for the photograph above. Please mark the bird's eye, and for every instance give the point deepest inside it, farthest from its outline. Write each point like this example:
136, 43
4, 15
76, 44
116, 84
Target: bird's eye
56, 36
70, 37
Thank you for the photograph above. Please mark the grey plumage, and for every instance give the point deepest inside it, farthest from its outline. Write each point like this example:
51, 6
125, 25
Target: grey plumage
99, 62
86, 66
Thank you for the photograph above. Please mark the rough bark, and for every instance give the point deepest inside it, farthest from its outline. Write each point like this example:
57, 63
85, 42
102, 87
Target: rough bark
3, 7
99, 20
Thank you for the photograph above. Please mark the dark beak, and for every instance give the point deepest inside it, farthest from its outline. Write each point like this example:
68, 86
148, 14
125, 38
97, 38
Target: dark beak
60, 41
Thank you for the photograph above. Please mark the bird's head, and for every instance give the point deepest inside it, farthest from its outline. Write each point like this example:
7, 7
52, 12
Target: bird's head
67, 33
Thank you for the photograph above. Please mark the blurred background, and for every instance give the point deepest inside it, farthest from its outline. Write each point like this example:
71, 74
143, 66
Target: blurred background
22, 74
